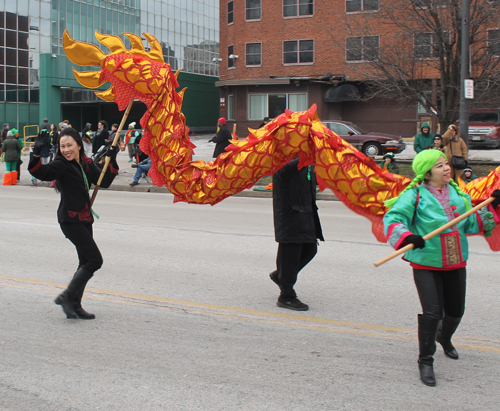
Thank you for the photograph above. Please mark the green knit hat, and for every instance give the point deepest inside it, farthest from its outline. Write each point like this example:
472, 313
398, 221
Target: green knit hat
424, 161
422, 164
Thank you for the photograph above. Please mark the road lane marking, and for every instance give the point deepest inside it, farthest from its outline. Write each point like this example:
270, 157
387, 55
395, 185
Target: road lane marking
256, 316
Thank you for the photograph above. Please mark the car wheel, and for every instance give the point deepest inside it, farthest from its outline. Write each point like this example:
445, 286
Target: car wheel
372, 149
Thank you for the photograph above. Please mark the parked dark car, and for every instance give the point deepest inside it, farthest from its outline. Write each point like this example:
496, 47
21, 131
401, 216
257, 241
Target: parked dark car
370, 144
484, 129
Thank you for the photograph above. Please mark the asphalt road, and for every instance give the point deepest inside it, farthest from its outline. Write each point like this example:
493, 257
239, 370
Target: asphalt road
186, 315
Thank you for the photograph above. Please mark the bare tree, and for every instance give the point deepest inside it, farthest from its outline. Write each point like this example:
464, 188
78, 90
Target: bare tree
418, 55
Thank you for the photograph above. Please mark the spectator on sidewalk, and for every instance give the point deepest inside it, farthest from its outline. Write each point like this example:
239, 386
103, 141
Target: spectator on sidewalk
3, 134
222, 138
455, 146
468, 175
142, 168
389, 162
424, 140
45, 124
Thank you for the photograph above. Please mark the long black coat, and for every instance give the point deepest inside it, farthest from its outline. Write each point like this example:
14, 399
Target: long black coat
296, 217
222, 139
99, 138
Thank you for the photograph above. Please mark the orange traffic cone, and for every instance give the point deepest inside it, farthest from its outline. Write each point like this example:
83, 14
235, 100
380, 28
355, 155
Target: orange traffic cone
6, 179
13, 178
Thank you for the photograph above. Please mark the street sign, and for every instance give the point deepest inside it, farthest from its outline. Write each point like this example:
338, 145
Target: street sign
469, 89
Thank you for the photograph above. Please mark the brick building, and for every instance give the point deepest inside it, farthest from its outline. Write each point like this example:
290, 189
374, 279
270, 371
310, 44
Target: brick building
295, 53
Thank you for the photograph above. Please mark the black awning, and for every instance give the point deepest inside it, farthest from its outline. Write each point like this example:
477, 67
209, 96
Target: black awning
344, 92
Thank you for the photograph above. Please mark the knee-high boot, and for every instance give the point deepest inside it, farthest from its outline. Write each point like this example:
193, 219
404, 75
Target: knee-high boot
427, 329
446, 331
13, 178
6, 179
68, 298
84, 315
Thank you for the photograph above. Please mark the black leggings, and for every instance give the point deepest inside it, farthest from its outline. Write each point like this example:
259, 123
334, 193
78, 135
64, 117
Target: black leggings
441, 291
290, 260
89, 256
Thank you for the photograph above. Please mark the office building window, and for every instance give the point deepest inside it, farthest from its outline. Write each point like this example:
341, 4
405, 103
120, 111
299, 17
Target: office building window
426, 45
230, 12
253, 54
494, 42
253, 10
362, 48
272, 105
230, 53
361, 5
294, 8
230, 107
298, 52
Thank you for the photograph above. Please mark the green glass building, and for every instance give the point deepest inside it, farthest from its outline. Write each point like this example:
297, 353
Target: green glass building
36, 78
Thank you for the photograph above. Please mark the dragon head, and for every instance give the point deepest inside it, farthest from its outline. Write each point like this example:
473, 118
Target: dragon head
133, 73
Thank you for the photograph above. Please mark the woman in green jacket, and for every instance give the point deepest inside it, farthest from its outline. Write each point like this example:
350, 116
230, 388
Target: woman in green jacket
431, 200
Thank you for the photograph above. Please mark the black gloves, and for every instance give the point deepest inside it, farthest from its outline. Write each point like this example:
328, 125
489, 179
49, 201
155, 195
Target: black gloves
417, 240
211, 140
39, 145
496, 202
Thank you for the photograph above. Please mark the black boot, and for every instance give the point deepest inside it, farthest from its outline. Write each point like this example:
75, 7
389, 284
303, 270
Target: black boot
427, 329
69, 297
80, 312
448, 328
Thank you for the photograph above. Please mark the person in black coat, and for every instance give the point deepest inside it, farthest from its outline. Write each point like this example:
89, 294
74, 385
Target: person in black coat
101, 134
222, 138
296, 227
74, 174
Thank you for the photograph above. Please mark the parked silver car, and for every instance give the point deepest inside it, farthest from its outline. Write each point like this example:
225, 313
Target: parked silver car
370, 144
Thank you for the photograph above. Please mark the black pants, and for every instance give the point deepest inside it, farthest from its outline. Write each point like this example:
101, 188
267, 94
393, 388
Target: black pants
441, 292
89, 256
290, 260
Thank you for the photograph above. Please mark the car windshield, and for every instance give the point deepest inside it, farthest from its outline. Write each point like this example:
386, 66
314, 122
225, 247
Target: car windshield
358, 129
484, 117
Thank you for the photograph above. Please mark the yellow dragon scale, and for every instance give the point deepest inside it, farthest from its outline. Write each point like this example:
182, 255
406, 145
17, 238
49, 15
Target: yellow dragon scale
354, 178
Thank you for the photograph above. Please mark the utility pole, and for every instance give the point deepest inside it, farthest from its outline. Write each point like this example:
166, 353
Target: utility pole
464, 72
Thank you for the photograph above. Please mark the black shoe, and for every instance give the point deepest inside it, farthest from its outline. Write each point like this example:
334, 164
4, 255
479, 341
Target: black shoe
427, 373
274, 276
67, 304
81, 313
448, 348
133, 184
134, 165
292, 304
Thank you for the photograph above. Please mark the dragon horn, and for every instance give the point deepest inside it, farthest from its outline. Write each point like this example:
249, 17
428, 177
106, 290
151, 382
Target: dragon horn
89, 79
135, 41
177, 73
107, 95
156, 52
113, 43
83, 54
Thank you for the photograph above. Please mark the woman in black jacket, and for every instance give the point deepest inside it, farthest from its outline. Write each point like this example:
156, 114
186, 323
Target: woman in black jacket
74, 174
296, 227
101, 134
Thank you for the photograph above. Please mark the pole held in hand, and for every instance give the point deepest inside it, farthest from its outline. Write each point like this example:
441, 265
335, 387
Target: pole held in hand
436, 231
108, 159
